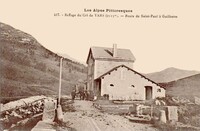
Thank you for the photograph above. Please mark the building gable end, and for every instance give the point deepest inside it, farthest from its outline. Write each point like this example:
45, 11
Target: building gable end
142, 76
89, 54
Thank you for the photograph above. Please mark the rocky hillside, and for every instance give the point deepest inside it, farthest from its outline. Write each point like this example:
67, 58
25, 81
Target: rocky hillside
27, 68
187, 87
170, 74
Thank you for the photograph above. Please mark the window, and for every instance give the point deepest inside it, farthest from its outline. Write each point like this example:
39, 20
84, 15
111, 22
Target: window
133, 86
158, 90
111, 85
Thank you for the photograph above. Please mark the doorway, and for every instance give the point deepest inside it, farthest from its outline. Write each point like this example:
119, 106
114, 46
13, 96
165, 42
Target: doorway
148, 92
98, 87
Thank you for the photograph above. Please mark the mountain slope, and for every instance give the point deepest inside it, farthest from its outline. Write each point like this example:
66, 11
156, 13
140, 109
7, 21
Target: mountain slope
27, 68
69, 57
170, 74
186, 87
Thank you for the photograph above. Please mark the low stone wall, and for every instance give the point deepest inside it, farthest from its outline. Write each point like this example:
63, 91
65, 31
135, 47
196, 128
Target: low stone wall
22, 110
20, 103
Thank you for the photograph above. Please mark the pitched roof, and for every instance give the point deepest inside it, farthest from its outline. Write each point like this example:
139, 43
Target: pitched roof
106, 53
132, 71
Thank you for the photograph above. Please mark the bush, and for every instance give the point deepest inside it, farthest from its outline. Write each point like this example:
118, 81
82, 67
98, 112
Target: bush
41, 66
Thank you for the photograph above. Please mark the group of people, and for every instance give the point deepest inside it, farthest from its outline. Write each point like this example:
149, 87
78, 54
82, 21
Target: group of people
82, 94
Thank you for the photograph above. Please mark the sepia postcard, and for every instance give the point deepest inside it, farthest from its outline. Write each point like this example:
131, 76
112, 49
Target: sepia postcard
90, 65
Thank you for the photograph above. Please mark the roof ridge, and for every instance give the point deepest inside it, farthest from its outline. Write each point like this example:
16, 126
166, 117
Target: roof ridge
122, 65
108, 47
106, 53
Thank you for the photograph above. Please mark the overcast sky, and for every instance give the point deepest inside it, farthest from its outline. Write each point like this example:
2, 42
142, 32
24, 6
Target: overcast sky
156, 43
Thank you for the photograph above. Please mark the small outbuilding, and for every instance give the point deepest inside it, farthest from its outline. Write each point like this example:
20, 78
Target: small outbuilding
123, 83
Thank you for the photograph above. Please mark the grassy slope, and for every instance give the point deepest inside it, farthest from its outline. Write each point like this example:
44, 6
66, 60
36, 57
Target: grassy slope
27, 68
186, 87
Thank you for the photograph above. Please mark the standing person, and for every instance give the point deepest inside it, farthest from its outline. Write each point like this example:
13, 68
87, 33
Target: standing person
73, 94
85, 95
82, 95
88, 95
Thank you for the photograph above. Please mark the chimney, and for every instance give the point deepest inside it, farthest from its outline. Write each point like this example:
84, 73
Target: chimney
114, 50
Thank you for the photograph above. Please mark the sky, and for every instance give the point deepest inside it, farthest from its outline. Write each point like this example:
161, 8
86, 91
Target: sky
157, 43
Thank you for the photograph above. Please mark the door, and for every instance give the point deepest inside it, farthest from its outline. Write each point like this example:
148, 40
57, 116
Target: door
148, 92
98, 87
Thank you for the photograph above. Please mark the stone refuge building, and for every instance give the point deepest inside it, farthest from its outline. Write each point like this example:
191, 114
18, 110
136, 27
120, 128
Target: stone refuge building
110, 72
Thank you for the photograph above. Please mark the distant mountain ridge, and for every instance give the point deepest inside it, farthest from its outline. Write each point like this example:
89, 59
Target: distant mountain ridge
27, 68
170, 74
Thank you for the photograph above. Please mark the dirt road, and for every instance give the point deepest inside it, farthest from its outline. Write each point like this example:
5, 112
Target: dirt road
88, 118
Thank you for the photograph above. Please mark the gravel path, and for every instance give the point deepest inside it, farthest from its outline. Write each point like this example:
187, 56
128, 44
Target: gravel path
88, 118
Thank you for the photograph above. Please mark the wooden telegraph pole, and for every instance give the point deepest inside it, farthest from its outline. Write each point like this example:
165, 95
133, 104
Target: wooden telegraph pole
59, 109
60, 81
